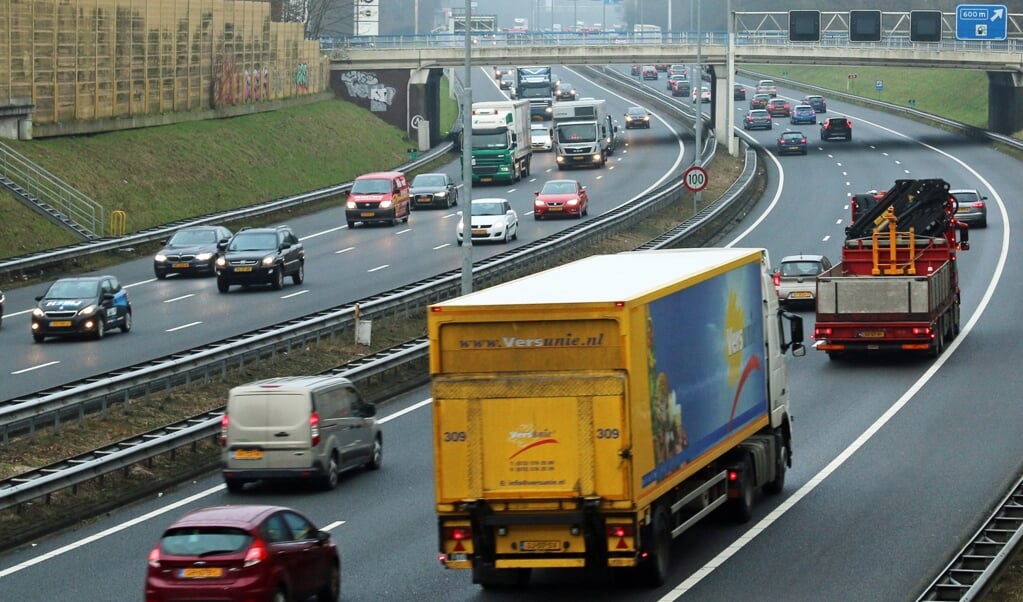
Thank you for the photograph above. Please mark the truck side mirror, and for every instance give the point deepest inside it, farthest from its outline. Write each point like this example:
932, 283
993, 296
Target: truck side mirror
795, 342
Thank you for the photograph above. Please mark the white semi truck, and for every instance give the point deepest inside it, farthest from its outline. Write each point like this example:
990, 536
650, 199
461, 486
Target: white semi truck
584, 133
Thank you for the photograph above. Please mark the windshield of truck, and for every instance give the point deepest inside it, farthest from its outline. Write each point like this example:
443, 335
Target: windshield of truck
577, 133
485, 141
539, 92
371, 187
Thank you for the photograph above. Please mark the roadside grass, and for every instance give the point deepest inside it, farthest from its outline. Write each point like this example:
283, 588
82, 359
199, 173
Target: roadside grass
961, 95
161, 175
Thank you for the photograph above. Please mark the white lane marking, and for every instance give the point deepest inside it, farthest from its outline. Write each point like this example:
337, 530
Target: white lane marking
183, 326
164, 510
107, 532
447, 244
295, 294
399, 232
178, 298
826, 238
333, 525
344, 250
24, 370
378, 268
890, 413
19, 313
322, 232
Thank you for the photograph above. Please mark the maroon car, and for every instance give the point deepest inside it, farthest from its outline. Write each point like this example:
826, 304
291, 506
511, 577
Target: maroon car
245, 552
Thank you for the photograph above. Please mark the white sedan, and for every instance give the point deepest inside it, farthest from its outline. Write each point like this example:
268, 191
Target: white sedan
492, 219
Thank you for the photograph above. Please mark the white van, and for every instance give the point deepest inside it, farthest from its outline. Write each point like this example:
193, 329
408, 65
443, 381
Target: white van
307, 427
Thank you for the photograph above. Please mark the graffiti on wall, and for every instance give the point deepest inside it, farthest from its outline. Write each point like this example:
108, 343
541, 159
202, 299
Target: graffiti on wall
361, 84
234, 86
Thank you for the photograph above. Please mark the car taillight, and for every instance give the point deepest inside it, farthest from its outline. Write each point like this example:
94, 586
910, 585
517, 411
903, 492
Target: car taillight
257, 553
848, 124
224, 423
777, 278
314, 428
154, 557
803, 140
978, 205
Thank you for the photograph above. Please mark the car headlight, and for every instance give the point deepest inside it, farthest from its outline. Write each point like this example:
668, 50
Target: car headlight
39, 313
160, 257
386, 204
573, 202
88, 310
221, 261
441, 194
269, 260
350, 204
204, 256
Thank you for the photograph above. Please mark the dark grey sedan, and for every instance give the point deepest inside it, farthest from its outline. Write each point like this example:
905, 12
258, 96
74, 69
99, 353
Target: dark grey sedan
433, 190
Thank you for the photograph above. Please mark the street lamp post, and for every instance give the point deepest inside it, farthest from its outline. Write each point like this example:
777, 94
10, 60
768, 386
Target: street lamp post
467, 156
698, 103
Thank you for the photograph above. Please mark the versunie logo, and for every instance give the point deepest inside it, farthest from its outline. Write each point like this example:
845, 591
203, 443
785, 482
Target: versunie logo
568, 340
527, 436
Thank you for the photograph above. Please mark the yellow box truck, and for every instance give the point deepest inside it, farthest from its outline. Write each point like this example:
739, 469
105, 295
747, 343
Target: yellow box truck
586, 415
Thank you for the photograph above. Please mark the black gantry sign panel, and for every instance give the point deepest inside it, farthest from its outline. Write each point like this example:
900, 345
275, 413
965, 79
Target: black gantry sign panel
925, 26
804, 25
864, 26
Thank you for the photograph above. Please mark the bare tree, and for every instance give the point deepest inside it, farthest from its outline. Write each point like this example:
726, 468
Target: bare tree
321, 17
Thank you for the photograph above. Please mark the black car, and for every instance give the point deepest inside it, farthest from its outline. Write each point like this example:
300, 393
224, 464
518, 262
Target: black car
791, 142
261, 256
739, 92
85, 305
565, 92
191, 250
433, 190
836, 127
637, 117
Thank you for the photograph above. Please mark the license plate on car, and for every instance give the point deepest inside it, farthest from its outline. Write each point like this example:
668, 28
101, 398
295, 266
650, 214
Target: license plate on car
367, 214
793, 148
554, 209
202, 573
247, 454
872, 334
479, 232
60, 323
540, 546
179, 266
963, 209
801, 295
243, 269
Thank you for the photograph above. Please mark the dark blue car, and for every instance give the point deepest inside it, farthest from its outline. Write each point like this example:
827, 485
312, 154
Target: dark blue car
803, 114
87, 305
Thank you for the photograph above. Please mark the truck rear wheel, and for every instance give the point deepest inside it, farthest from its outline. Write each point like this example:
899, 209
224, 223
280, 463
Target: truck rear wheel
654, 571
740, 509
774, 487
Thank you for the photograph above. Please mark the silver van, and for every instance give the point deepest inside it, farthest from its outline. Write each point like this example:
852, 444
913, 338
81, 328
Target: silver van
307, 427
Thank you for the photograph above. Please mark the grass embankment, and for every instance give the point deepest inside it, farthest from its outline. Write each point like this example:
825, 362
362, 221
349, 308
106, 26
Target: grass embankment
960, 95
160, 175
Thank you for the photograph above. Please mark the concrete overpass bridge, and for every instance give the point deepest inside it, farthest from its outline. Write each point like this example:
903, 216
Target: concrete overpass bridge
754, 38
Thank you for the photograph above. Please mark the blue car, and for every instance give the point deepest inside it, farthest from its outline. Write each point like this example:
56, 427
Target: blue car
803, 114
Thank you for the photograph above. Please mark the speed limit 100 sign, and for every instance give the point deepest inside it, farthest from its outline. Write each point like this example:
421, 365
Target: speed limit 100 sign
695, 178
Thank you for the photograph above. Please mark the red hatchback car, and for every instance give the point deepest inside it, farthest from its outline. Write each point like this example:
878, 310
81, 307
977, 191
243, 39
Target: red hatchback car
561, 197
242, 553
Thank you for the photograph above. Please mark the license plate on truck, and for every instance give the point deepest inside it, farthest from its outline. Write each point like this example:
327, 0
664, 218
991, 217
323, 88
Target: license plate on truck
872, 334
540, 546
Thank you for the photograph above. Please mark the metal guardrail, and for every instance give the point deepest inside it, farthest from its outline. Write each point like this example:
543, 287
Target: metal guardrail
115, 388
52, 197
33, 262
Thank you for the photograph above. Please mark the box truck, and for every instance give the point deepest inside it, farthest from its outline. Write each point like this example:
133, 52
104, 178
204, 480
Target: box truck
586, 415
502, 148
584, 133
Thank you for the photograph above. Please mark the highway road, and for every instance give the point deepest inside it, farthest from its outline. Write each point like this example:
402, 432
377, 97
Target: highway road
895, 460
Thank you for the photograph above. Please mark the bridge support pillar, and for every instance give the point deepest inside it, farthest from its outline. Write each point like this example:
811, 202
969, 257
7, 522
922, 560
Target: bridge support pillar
1005, 102
402, 97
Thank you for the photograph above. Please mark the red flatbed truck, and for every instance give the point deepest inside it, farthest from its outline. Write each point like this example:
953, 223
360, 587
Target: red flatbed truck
897, 286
